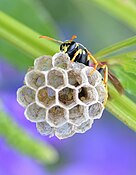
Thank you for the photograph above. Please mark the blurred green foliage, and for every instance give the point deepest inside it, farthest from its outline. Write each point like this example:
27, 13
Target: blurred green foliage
96, 30
125, 10
34, 16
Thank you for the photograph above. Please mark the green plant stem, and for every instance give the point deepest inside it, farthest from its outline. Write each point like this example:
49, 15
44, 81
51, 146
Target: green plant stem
120, 58
21, 140
24, 38
115, 47
123, 108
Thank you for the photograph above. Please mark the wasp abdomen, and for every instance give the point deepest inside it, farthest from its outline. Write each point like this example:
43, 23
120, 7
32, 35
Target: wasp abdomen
82, 58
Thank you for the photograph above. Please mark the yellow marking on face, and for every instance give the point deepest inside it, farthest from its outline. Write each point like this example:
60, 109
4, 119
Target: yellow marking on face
65, 48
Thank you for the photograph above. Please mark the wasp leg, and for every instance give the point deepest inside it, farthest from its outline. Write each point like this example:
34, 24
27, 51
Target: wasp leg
94, 60
105, 81
75, 55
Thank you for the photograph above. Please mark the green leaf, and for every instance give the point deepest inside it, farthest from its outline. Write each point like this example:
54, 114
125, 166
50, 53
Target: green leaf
36, 17
123, 10
128, 80
130, 65
127, 61
21, 140
25, 39
123, 108
117, 46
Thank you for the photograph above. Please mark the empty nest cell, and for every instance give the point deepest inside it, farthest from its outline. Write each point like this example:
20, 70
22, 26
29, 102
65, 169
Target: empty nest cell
44, 128
25, 96
101, 92
61, 60
84, 126
43, 63
46, 96
93, 79
35, 79
34, 113
57, 116
67, 96
95, 110
76, 115
87, 94
65, 131
55, 78
74, 78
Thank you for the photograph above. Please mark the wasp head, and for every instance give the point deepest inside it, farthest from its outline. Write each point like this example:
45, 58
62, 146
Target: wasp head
66, 45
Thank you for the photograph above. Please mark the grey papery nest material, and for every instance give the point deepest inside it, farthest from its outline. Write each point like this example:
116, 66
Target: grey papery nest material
61, 97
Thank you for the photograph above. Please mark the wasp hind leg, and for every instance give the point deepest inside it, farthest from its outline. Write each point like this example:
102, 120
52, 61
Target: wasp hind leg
90, 57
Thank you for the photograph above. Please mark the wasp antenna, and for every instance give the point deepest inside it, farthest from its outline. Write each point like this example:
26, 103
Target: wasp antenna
73, 37
51, 39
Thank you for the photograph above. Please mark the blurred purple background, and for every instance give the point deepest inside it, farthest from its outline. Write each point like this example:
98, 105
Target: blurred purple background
109, 147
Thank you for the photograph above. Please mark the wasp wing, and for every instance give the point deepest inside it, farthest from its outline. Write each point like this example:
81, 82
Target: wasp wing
116, 83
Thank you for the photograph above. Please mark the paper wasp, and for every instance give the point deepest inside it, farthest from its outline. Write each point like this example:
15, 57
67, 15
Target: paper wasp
78, 53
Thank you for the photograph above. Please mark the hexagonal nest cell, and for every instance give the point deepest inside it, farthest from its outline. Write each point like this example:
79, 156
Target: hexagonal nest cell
84, 126
76, 115
35, 79
93, 79
34, 113
87, 94
65, 131
55, 78
76, 66
57, 116
61, 60
46, 96
101, 92
44, 128
25, 96
74, 78
67, 96
95, 110
43, 63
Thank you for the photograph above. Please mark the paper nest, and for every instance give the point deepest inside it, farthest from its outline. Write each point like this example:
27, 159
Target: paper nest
61, 97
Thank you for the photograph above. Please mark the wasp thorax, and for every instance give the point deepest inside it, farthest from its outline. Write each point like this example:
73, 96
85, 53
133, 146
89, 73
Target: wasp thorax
61, 97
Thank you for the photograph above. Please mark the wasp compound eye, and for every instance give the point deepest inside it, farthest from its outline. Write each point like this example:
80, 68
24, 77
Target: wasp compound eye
61, 96
62, 46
